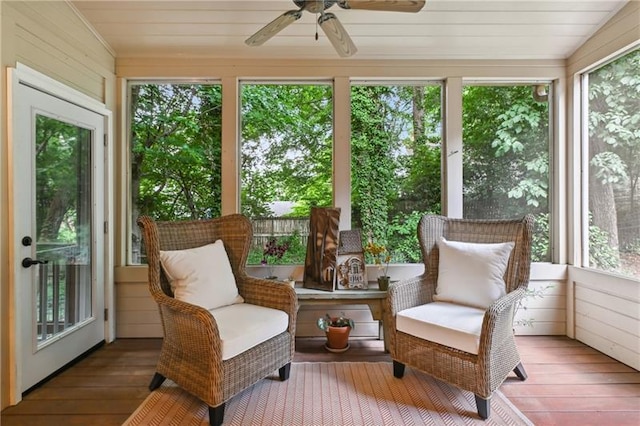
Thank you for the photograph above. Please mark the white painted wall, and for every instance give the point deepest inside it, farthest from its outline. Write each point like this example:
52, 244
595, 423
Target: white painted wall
607, 314
137, 313
603, 311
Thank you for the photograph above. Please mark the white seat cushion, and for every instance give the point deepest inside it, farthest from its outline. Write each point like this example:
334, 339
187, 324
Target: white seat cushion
243, 326
448, 324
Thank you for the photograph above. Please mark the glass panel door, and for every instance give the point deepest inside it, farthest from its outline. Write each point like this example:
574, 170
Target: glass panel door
63, 226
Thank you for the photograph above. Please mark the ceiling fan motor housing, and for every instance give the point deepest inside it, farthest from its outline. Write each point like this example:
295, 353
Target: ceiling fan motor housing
315, 6
329, 22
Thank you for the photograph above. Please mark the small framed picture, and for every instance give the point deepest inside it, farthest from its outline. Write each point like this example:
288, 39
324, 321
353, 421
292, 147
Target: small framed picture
350, 267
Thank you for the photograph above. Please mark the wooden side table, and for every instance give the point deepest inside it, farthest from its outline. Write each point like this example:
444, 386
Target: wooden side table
371, 297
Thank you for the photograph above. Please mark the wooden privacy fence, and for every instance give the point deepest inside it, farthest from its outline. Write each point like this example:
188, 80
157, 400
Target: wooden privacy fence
265, 228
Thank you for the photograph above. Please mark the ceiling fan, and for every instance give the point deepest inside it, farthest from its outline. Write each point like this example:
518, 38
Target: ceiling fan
329, 23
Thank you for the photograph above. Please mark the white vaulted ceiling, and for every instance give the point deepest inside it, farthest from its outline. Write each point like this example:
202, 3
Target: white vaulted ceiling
443, 29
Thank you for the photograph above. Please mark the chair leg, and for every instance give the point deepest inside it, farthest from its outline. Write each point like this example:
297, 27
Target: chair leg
484, 407
216, 415
398, 369
157, 380
519, 370
284, 371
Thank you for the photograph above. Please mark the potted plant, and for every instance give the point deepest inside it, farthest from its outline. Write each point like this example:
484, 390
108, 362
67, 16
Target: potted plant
381, 257
272, 254
337, 330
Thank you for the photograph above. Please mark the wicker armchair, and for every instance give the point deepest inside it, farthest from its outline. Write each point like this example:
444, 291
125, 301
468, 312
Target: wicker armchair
191, 354
497, 354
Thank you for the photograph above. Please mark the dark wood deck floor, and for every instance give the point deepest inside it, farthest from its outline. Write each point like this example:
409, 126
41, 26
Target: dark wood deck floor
569, 384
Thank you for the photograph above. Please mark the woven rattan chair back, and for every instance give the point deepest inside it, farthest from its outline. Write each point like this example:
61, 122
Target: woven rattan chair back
234, 230
431, 228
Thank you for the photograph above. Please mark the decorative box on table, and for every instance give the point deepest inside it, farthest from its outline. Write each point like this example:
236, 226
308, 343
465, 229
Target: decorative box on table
350, 266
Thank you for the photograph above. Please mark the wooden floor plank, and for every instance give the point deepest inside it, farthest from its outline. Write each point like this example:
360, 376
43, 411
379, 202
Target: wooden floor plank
582, 379
65, 420
579, 418
569, 383
568, 389
577, 403
608, 367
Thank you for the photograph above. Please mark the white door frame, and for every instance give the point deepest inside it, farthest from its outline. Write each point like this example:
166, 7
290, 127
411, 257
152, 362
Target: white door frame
22, 74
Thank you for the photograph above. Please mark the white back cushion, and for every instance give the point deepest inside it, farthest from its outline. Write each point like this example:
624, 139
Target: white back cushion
201, 276
472, 274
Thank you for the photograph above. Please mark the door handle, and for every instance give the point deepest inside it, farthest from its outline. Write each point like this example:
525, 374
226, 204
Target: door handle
28, 262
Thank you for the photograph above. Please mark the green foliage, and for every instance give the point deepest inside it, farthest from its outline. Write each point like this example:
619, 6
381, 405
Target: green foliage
395, 155
404, 237
601, 254
609, 167
327, 321
176, 150
373, 139
287, 152
287, 147
540, 248
614, 157
506, 152
295, 253
530, 293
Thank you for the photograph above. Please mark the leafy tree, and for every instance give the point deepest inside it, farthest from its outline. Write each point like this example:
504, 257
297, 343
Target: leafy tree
614, 153
375, 136
287, 145
175, 151
395, 138
63, 157
422, 188
506, 151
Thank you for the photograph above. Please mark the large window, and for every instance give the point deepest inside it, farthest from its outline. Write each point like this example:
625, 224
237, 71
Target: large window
395, 163
612, 117
175, 154
287, 153
286, 159
506, 145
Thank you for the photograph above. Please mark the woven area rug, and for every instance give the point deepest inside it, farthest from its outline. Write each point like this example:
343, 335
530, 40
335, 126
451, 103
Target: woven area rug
332, 393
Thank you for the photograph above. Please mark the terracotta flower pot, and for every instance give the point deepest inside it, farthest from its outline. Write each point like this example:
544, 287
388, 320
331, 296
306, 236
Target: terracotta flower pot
338, 337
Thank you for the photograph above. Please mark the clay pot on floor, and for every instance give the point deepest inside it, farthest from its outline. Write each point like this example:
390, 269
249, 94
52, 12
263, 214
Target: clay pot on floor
338, 337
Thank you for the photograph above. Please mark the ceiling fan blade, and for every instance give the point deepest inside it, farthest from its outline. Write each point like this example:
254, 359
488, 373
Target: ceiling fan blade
273, 27
337, 35
384, 5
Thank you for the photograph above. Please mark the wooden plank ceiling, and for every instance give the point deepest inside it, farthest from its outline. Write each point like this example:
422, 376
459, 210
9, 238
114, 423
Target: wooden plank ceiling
443, 29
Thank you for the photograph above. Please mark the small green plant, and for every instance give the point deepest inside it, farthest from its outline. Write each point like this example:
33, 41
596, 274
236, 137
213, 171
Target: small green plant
328, 321
381, 256
530, 293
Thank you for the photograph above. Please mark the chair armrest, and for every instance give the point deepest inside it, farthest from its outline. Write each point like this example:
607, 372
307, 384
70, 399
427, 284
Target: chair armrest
402, 295
408, 293
191, 347
498, 321
270, 294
